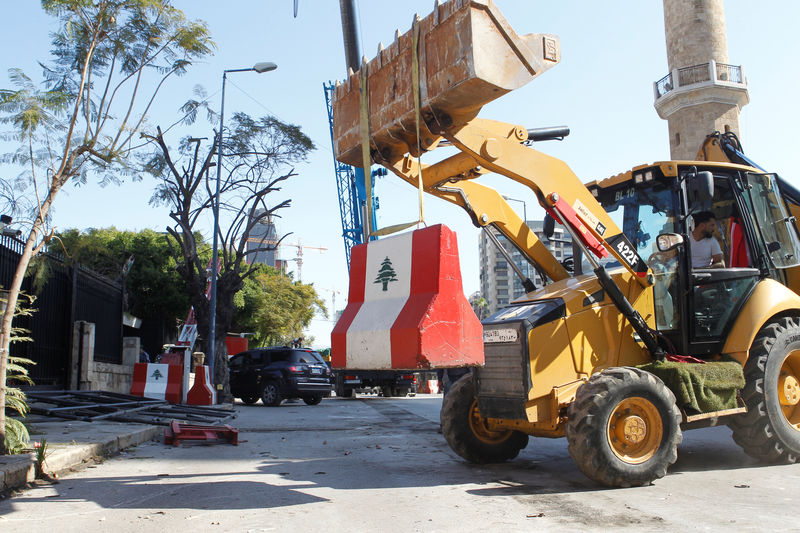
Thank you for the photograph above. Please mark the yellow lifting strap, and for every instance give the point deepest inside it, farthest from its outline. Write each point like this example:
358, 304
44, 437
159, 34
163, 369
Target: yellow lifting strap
415, 84
365, 157
365, 140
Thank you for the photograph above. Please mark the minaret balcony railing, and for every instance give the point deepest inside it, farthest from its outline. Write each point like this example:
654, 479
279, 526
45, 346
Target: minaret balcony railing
711, 73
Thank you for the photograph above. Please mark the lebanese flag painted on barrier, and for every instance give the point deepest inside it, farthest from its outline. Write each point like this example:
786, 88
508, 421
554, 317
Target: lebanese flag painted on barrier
158, 381
406, 306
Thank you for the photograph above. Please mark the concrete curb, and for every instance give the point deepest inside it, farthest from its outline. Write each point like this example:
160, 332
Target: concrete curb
20, 470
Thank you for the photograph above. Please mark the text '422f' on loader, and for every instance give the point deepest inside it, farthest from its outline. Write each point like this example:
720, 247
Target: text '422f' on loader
623, 358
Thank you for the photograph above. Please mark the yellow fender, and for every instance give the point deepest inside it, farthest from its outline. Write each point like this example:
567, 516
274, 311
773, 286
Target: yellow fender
770, 298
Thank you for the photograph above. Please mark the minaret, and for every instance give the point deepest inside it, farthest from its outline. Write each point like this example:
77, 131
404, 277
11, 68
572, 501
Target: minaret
702, 93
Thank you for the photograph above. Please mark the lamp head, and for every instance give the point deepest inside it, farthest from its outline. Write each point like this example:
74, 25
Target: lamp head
264, 66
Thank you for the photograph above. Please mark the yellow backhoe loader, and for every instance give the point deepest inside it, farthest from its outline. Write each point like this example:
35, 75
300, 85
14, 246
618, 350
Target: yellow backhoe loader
599, 357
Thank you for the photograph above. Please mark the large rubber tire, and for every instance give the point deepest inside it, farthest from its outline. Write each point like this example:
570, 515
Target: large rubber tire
623, 428
386, 391
271, 394
251, 399
466, 432
313, 400
770, 430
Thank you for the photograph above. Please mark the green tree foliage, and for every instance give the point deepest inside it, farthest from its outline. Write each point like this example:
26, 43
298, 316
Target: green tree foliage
479, 305
152, 284
274, 307
110, 58
16, 433
257, 158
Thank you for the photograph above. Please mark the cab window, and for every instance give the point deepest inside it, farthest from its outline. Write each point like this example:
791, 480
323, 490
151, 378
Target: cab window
775, 225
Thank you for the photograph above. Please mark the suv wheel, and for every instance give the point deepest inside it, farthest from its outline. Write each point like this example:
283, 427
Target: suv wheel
250, 399
312, 400
271, 395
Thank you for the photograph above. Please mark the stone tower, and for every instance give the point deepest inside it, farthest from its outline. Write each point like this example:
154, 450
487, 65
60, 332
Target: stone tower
702, 92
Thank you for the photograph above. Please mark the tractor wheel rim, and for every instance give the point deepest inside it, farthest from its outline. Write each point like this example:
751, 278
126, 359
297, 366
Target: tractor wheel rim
789, 388
635, 430
481, 430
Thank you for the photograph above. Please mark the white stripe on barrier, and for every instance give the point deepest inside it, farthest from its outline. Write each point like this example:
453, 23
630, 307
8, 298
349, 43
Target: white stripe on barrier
387, 288
157, 381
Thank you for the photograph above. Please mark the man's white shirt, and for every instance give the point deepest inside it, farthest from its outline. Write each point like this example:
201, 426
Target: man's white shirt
703, 251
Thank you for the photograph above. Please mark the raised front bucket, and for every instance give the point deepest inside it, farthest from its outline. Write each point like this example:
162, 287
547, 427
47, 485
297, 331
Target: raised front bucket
468, 56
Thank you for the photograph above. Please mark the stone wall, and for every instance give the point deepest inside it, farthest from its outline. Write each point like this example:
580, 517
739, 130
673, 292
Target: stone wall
695, 32
88, 374
117, 378
686, 137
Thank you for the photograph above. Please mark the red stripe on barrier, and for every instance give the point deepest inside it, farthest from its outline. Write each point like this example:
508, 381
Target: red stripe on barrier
139, 379
358, 274
201, 392
425, 277
437, 327
174, 384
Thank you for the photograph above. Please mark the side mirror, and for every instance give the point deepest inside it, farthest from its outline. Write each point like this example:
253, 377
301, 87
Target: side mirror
701, 186
548, 226
668, 241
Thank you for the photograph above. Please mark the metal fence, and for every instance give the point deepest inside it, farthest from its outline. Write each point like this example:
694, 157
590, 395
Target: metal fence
694, 74
99, 300
731, 73
664, 85
70, 293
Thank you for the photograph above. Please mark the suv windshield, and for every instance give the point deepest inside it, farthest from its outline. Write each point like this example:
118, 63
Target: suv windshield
309, 358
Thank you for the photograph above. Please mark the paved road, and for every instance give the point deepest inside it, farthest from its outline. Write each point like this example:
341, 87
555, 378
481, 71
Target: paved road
379, 465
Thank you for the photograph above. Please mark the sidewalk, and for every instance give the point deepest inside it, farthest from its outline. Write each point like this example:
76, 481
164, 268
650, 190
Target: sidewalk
71, 443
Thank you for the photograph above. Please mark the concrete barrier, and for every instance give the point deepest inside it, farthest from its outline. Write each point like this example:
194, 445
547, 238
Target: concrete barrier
158, 381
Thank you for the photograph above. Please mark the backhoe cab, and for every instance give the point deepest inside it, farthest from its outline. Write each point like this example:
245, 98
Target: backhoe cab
599, 357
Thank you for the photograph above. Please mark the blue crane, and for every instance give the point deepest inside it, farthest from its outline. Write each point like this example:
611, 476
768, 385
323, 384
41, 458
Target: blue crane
351, 189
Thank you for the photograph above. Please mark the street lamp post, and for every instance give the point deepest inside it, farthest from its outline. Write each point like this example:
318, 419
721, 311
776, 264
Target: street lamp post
525, 221
260, 68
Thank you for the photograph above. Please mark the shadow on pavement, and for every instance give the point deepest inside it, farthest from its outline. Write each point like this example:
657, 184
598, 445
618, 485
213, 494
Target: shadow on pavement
402, 450
172, 492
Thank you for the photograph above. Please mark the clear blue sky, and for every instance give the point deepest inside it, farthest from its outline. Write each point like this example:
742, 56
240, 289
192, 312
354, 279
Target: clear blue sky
612, 52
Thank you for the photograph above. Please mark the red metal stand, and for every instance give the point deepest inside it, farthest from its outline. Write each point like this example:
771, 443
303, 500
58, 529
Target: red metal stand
176, 432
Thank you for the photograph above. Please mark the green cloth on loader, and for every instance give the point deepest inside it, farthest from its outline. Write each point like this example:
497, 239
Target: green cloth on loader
704, 388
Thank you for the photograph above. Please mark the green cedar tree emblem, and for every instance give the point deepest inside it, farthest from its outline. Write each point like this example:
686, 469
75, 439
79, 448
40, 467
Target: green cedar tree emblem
386, 274
157, 374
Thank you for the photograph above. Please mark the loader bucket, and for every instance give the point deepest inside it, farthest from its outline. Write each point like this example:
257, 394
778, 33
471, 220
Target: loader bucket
468, 56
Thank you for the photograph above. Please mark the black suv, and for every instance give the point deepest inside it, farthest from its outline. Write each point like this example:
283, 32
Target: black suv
278, 373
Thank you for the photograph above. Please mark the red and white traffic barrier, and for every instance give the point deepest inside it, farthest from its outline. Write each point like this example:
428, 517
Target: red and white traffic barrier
428, 386
158, 381
201, 392
406, 307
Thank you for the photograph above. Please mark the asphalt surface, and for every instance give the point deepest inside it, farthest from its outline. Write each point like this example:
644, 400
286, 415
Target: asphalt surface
375, 464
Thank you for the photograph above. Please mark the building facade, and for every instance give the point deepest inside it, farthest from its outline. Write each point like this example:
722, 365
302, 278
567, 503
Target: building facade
499, 284
262, 235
